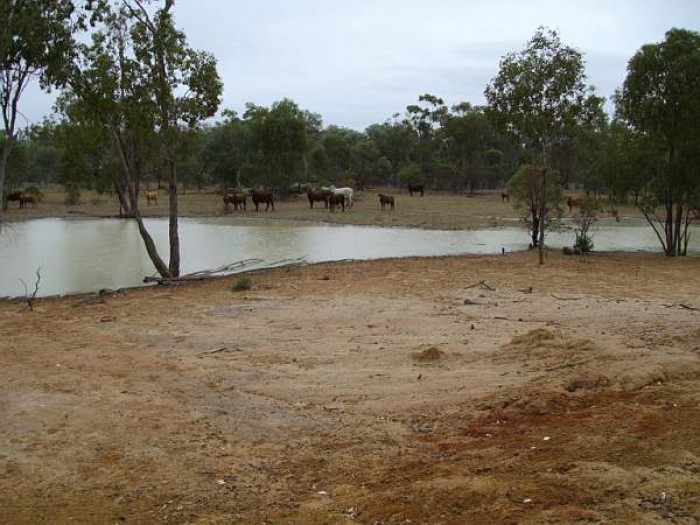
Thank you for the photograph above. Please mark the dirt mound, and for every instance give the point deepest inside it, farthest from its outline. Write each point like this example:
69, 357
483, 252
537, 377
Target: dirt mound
429, 355
551, 347
533, 337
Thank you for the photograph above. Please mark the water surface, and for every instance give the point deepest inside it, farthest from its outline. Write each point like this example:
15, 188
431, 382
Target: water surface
91, 254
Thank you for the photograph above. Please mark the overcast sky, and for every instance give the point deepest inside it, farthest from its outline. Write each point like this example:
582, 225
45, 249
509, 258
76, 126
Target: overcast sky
357, 62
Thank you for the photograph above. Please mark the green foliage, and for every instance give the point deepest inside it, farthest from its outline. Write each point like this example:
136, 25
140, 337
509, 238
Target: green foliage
410, 173
659, 101
427, 118
540, 101
278, 143
524, 187
72, 191
539, 98
140, 86
467, 132
36, 40
368, 163
395, 141
18, 162
223, 149
537, 191
33, 189
585, 218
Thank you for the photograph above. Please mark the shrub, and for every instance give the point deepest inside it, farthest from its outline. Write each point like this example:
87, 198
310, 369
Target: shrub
72, 194
33, 189
242, 284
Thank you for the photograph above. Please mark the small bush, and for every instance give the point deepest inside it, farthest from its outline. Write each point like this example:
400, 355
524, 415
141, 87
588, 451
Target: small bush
72, 194
584, 243
242, 284
33, 189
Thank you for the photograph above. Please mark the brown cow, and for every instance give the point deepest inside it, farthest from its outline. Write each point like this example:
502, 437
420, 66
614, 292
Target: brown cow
152, 197
262, 197
319, 195
415, 188
15, 196
237, 199
386, 199
336, 200
572, 203
27, 198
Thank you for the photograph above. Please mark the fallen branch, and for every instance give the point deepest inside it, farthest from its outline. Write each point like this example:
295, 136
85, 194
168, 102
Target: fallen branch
566, 298
227, 269
203, 274
223, 349
567, 365
482, 284
687, 307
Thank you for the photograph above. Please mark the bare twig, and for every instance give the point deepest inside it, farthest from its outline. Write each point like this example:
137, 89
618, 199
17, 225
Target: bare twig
687, 307
482, 284
567, 365
566, 298
29, 299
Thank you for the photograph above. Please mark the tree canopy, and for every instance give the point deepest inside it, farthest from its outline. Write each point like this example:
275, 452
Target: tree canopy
37, 42
659, 102
539, 99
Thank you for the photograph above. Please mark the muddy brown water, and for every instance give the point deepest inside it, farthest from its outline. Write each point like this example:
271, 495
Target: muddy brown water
74, 256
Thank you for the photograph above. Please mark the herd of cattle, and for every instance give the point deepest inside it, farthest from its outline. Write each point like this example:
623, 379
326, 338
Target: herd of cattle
331, 197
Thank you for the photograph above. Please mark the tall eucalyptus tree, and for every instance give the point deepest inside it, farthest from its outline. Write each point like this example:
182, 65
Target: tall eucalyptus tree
659, 101
141, 81
539, 100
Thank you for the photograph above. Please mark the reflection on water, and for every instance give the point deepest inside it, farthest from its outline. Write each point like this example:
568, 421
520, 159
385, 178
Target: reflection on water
87, 255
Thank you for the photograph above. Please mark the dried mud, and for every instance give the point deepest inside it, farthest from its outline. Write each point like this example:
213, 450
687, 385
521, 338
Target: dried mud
380, 392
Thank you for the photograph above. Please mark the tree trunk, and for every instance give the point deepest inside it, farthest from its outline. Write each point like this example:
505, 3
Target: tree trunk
124, 206
535, 234
4, 158
174, 237
151, 249
543, 214
148, 241
678, 247
150, 245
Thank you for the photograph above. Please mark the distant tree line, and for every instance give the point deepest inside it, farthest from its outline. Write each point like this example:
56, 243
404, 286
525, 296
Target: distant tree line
453, 149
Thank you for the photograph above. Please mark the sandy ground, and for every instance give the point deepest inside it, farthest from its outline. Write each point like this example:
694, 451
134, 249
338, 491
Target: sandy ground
426, 391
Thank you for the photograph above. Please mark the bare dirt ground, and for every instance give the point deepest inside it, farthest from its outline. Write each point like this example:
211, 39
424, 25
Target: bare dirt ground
436, 391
